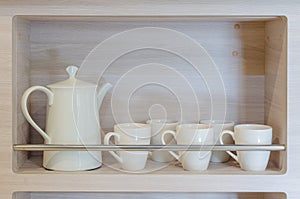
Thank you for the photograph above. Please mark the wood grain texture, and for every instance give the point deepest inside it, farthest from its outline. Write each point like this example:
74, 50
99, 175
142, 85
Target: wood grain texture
155, 195
52, 50
66, 182
276, 84
111, 166
243, 75
22, 195
5, 94
293, 104
275, 195
22, 69
148, 8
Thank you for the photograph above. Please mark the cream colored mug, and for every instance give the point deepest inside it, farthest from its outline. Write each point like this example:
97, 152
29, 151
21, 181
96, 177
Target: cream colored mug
251, 134
130, 134
192, 134
158, 126
219, 126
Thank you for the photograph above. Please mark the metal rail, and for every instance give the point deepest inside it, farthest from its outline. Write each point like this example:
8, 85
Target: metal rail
60, 147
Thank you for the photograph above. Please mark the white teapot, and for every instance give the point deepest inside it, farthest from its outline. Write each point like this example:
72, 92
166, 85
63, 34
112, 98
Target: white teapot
72, 118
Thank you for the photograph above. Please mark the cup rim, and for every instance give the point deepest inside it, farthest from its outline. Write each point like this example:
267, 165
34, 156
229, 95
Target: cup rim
132, 126
209, 121
255, 127
162, 121
194, 126
134, 130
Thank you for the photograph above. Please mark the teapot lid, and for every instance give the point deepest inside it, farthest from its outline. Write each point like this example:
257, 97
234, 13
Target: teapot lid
71, 82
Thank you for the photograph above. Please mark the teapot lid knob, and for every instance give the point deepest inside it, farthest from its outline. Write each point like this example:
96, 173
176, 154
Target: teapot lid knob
72, 70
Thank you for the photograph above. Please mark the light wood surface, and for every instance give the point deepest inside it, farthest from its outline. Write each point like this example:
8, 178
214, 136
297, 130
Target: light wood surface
150, 195
22, 62
66, 182
111, 166
243, 75
276, 83
52, 50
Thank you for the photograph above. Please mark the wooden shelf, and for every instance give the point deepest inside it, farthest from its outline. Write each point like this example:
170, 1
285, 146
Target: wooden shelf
153, 18
147, 195
250, 52
249, 83
34, 166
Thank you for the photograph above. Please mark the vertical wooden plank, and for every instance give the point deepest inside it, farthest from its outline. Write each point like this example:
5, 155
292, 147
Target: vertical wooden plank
5, 93
5, 104
21, 82
276, 85
293, 117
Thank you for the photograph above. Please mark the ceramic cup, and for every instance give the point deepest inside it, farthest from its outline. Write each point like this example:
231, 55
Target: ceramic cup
130, 134
219, 126
251, 134
192, 134
158, 126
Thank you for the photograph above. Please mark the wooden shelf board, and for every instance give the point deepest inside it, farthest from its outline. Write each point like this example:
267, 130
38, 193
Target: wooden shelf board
111, 167
153, 18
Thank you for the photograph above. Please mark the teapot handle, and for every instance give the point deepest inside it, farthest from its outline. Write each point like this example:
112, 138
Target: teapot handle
25, 109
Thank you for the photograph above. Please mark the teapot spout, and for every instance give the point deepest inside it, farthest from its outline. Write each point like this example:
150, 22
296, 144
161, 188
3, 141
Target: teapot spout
102, 92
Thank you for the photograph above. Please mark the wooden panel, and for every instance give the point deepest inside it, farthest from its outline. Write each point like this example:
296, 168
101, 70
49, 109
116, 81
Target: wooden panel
238, 52
86, 18
22, 195
21, 71
70, 182
153, 195
53, 48
276, 84
274, 196
111, 166
293, 102
148, 8
5, 94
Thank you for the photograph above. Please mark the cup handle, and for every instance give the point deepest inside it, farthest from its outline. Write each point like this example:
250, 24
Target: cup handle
221, 141
26, 113
106, 142
164, 143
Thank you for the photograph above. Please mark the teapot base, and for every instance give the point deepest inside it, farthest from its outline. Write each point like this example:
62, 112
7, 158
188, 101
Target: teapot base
72, 160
